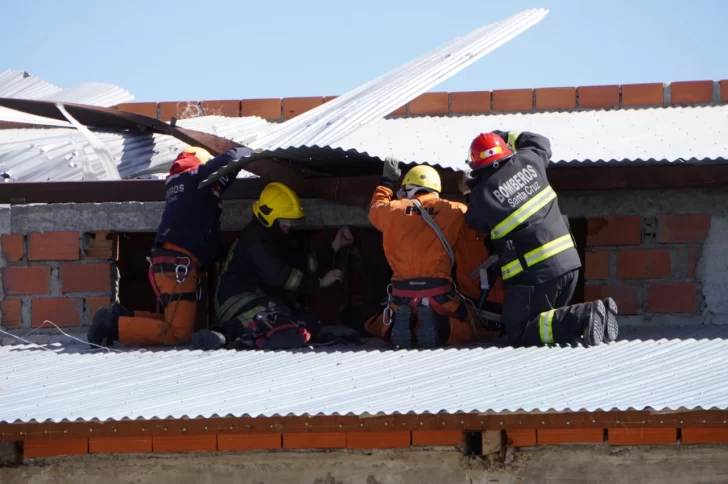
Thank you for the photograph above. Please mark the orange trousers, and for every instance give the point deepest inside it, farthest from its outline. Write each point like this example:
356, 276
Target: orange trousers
461, 332
176, 325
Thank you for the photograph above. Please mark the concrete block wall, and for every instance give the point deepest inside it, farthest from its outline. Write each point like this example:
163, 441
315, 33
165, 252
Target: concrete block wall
61, 276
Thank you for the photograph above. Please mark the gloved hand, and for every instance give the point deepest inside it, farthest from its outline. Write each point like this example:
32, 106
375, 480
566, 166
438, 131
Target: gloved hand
330, 278
463, 185
504, 135
342, 239
391, 170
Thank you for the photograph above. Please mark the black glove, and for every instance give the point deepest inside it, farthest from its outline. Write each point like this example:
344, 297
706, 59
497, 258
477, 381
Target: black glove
502, 134
391, 171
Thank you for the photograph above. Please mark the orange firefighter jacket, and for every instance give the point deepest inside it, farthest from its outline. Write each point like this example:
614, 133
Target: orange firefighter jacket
412, 248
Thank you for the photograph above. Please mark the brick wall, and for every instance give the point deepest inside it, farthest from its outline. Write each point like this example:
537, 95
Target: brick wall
61, 276
647, 264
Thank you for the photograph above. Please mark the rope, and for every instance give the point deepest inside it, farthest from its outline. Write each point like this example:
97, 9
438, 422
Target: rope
108, 350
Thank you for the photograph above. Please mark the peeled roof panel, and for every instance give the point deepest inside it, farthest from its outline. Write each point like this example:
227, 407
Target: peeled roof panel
643, 371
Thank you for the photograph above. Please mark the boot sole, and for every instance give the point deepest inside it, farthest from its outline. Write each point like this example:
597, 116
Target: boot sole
611, 326
427, 330
401, 333
207, 340
594, 334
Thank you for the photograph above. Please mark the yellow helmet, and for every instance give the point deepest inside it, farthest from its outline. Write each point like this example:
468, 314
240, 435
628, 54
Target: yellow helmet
277, 201
200, 153
423, 176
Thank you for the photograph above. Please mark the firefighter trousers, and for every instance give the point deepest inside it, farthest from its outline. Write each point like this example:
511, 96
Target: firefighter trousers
535, 315
175, 279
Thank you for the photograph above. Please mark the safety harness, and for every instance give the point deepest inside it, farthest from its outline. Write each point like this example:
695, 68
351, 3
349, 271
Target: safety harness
171, 262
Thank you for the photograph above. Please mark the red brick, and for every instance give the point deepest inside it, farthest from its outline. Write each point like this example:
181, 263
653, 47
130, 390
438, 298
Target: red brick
704, 436
145, 109
315, 440
470, 102
671, 298
63, 312
598, 96
92, 304
521, 438
642, 94
179, 110
683, 229
11, 310
378, 440
53, 246
643, 264
693, 259
596, 265
295, 106
231, 109
724, 91
184, 443
642, 436
24, 280
120, 445
13, 247
552, 98
235, 442
51, 448
264, 108
400, 111
614, 231
505, 100
101, 245
436, 437
691, 92
85, 277
626, 297
429, 103
570, 436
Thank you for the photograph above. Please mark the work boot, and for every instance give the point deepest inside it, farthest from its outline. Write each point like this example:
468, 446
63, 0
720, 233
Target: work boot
206, 340
611, 326
594, 324
401, 330
427, 329
104, 330
118, 310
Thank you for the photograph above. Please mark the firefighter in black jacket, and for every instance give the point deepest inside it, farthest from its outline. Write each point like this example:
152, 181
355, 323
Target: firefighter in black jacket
261, 267
510, 198
184, 249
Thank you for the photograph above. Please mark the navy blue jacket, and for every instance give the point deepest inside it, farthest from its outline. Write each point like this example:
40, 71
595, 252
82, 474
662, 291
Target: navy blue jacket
191, 217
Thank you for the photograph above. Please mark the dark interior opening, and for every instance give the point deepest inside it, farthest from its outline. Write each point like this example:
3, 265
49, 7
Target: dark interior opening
358, 297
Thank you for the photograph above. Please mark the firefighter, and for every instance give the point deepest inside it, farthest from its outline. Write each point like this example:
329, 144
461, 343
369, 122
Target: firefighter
261, 268
511, 199
422, 281
184, 249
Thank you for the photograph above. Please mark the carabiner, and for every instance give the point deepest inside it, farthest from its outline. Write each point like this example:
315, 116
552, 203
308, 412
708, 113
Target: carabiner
179, 268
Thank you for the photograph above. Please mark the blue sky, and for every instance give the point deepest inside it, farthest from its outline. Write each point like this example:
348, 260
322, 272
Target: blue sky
163, 50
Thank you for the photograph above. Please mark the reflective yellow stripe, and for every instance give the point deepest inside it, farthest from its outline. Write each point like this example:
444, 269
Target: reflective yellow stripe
294, 280
545, 329
537, 255
512, 137
523, 213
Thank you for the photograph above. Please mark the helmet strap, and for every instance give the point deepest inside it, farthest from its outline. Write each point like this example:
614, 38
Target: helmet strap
410, 191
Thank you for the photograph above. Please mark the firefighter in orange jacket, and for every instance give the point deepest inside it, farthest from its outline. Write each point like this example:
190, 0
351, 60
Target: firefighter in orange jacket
422, 283
185, 247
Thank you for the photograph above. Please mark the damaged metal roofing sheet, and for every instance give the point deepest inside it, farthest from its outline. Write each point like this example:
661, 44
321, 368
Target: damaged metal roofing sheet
685, 371
22, 85
58, 154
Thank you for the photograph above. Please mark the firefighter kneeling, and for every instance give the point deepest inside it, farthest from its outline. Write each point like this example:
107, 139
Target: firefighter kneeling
511, 199
421, 296
260, 269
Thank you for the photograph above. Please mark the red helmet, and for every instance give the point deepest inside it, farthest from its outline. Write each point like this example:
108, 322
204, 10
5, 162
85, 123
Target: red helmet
488, 148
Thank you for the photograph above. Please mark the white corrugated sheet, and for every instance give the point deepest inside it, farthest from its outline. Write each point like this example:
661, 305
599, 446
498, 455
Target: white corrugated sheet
59, 154
334, 120
657, 134
22, 85
682, 372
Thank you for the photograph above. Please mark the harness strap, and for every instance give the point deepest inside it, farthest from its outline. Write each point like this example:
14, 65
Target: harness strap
421, 293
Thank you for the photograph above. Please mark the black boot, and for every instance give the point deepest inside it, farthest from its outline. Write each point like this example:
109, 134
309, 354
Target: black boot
207, 340
593, 324
611, 326
104, 330
401, 328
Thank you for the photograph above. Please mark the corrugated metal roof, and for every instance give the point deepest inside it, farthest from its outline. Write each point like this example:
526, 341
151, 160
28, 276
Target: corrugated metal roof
335, 119
58, 154
683, 371
22, 85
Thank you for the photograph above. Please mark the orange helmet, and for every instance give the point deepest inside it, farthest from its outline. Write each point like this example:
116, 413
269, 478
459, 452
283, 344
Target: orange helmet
488, 149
